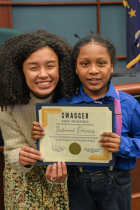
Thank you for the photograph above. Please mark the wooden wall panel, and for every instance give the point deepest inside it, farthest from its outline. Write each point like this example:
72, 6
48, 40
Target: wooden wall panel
135, 205
5, 15
136, 178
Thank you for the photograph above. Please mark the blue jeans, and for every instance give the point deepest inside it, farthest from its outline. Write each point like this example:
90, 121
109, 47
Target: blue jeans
99, 190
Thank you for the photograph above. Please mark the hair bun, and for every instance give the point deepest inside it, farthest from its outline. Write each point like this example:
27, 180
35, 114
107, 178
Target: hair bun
91, 32
77, 36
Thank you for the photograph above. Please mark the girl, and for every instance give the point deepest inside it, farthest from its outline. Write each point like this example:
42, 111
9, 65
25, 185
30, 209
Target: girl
33, 68
92, 187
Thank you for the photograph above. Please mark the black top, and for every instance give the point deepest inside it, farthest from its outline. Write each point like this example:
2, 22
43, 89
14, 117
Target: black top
1, 139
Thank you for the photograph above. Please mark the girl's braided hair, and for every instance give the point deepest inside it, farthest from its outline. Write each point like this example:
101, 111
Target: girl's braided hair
13, 53
91, 38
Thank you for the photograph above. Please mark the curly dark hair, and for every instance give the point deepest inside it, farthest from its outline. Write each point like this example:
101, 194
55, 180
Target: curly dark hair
101, 40
13, 53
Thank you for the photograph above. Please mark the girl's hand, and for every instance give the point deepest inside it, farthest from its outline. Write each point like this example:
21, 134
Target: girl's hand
110, 141
29, 156
58, 173
37, 131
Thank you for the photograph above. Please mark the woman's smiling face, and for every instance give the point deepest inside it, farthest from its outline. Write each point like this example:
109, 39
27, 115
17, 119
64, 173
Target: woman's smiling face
94, 69
41, 70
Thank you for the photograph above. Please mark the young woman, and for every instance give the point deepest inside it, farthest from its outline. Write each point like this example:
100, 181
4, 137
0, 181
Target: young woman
33, 69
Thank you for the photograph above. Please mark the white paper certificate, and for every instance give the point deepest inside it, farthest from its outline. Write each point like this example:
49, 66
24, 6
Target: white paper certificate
72, 133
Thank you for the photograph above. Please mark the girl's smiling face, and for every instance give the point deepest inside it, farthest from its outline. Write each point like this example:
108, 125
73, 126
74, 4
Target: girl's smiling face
41, 70
94, 69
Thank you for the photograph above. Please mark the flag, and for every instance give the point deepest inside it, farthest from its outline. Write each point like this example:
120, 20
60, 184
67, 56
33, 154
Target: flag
132, 32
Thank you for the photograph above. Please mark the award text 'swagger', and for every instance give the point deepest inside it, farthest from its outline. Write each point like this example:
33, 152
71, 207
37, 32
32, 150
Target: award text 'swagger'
75, 115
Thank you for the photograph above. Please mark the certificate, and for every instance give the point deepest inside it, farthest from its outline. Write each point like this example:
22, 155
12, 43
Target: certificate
72, 133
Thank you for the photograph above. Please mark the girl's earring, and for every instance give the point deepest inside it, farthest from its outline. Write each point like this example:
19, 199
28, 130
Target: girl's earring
77, 90
108, 85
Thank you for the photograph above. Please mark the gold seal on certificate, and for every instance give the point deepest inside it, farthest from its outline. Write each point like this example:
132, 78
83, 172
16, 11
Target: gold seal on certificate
72, 133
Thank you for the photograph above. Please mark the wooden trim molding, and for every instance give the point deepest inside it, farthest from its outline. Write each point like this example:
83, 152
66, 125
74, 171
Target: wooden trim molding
130, 88
111, 2
121, 57
56, 3
136, 195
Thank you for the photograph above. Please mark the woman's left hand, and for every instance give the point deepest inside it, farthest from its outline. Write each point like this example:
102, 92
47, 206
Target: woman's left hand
57, 173
110, 141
